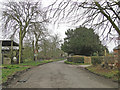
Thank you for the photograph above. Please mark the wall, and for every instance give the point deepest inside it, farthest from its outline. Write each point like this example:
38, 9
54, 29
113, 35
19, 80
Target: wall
117, 52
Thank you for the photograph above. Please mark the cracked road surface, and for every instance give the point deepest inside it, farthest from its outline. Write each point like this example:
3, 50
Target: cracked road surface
60, 75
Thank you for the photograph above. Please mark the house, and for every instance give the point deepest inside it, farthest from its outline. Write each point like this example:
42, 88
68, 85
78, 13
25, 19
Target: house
6, 47
117, 51
117, 55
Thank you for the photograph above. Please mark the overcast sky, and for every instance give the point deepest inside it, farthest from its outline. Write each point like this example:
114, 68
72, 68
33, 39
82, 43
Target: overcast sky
55, 29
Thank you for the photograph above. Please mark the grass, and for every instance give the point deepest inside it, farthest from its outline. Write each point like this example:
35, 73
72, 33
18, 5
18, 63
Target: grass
35, 63
72, 63
109, 73
9, 70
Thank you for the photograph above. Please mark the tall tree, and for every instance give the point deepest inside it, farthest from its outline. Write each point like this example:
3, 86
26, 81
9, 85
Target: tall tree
18, 16
40, 32
55, 44
82, 41
50, 47
102, 15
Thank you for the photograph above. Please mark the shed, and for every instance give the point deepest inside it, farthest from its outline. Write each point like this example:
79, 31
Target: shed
6, 49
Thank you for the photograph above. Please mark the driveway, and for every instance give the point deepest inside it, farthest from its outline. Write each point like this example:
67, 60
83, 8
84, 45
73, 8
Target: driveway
60, 75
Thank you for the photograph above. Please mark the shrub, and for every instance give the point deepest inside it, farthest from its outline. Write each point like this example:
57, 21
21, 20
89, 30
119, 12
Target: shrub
87, 60
76, 59
69, 59
96, 60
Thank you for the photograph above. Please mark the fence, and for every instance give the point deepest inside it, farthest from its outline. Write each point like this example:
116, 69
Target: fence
111, 61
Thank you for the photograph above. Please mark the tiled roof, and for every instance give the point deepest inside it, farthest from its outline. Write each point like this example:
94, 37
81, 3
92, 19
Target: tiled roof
118, 47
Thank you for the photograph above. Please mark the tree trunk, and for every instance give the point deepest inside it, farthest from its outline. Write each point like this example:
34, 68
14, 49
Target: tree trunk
11, 52
20, 46
36, 47
21, 50
33, 50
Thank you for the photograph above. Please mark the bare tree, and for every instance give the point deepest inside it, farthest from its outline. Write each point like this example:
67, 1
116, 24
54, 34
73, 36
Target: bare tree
102, 15
18, 16
40, 32
50, 47
55, 42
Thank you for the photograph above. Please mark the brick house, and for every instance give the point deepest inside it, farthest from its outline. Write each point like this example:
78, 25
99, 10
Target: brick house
117, 51
117, 55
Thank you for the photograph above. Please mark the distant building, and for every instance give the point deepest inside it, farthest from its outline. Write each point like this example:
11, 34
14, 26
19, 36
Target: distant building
6, 50
117, 51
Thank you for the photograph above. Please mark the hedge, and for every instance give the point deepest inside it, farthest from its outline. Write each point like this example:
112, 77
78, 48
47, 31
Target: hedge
96, 60
76, 59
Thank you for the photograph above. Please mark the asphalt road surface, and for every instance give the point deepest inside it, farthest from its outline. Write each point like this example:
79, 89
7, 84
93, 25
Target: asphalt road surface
60, 75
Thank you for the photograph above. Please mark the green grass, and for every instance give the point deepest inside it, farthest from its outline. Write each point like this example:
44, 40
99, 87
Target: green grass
9, 70
35, 63
109, 73
72, 63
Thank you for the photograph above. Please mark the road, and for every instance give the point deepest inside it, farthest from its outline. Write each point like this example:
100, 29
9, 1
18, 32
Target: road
60, 75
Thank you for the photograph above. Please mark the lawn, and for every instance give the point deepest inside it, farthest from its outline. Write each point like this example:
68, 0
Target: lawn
109, 73
9, 70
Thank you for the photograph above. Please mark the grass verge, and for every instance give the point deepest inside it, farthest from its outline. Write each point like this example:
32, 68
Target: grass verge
108, 73
72, 63
9, 70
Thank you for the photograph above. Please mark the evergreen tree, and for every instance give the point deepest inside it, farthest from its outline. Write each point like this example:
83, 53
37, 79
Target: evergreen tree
82, 41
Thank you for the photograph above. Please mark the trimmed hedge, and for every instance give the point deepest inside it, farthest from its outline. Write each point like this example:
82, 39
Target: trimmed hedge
96, 60
76, 59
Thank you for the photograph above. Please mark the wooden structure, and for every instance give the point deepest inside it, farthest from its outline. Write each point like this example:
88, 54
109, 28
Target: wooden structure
9, 49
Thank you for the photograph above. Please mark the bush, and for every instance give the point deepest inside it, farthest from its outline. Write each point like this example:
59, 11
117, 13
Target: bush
96, 60
69, 59
76, 59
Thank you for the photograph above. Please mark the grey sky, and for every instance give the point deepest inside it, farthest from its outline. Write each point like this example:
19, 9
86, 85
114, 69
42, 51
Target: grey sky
62, 27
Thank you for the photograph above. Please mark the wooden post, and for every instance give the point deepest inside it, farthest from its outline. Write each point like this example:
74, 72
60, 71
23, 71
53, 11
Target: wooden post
105, 52
97, 53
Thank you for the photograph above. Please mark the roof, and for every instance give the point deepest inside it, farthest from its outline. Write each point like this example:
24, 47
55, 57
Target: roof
116, 48
8, 48
8, 43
